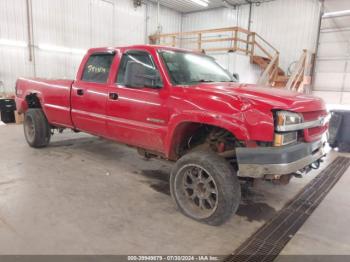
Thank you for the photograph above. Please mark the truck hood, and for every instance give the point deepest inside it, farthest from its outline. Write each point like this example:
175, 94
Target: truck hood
274, 98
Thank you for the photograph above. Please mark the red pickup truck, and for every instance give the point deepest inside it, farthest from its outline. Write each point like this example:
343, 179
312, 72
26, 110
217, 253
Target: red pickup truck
182, 106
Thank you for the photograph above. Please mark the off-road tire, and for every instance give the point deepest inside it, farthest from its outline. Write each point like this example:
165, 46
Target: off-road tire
224, 178
37, 129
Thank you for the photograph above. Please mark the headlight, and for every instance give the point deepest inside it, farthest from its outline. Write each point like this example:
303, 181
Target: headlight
284, 120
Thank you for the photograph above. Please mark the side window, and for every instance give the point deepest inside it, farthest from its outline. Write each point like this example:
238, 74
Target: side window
97, 68
137, 69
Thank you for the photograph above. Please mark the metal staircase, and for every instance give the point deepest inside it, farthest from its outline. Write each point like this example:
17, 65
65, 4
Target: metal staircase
237, 39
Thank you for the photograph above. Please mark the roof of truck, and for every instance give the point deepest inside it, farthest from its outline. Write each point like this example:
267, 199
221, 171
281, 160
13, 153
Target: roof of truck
146, 47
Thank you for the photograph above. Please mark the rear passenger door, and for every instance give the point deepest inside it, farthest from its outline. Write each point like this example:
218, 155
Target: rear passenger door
89, 94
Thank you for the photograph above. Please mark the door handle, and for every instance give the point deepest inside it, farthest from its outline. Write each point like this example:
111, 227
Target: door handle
80, 92
113, 96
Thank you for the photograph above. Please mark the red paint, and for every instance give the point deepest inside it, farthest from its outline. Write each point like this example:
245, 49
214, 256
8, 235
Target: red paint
244, 110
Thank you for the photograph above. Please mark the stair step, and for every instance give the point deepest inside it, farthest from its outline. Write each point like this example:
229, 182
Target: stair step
281, 78
263, 63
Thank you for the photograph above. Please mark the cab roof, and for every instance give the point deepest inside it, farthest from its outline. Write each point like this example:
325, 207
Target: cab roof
145, 47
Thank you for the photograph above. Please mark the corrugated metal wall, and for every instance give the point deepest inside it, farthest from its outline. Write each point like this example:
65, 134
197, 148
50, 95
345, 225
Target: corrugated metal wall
332, 70
289, 25
215, 18
64, 29
225, 17
169, 20
13, 27
74, 25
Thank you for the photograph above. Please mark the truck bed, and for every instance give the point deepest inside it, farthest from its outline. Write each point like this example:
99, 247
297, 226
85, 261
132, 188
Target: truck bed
55, 102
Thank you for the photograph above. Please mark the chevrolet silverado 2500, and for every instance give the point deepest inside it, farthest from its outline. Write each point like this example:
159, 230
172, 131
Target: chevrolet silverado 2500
183, 107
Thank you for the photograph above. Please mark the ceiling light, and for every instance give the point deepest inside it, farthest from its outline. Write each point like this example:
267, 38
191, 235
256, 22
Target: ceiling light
336, 14
201, 2
16, 43
61, 49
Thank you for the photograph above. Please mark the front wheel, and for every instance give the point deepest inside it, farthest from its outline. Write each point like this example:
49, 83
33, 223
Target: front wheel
37, 130
205, 187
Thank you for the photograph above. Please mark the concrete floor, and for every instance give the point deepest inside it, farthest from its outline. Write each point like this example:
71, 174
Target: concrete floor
326, 232
85, 195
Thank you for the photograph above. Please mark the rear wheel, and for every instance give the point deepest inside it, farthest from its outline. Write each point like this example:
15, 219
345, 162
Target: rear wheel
36, 128
205, 187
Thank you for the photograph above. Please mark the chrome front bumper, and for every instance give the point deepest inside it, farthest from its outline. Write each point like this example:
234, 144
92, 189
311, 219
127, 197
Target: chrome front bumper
258, 162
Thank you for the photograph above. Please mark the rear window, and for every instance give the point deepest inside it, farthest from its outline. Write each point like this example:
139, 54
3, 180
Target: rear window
97, 68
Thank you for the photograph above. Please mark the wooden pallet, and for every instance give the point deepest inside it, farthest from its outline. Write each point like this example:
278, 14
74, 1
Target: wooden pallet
19, 118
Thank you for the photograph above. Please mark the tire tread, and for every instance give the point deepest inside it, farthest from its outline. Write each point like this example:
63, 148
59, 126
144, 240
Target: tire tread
225, 177
42, 128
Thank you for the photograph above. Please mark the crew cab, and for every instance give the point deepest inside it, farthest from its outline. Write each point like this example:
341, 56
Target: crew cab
184, 107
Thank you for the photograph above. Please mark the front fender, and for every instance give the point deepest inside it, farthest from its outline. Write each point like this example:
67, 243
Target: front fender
232, 123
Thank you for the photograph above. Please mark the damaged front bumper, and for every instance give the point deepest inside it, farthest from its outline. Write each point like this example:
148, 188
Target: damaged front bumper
261, 161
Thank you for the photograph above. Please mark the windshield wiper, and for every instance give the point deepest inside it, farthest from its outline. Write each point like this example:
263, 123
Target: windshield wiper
202, 81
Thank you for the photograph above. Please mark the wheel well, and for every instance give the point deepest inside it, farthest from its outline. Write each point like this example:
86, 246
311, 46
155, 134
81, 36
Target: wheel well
33, 101
195, 135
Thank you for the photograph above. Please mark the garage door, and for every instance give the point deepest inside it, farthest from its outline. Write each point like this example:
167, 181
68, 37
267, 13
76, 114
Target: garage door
332, 71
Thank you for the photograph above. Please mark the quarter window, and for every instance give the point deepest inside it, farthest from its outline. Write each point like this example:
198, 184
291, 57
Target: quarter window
97, 68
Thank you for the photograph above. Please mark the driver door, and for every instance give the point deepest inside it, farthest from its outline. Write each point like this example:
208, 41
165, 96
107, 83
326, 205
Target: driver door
136, 107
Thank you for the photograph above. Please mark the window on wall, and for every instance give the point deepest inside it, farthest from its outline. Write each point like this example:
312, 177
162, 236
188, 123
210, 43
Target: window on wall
97, 68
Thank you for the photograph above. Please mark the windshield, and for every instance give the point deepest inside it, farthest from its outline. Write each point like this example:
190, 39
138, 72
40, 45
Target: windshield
188, 68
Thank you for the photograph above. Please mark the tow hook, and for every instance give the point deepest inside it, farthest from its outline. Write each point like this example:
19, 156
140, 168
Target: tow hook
302, 172
298, 174
305, 170
279, 179
316, 164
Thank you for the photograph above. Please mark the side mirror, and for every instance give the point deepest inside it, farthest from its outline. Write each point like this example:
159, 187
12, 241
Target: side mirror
152, 79
236, 76
140, 75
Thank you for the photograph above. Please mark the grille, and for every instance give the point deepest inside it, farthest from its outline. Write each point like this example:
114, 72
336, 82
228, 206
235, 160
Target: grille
271, 238
315, 133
